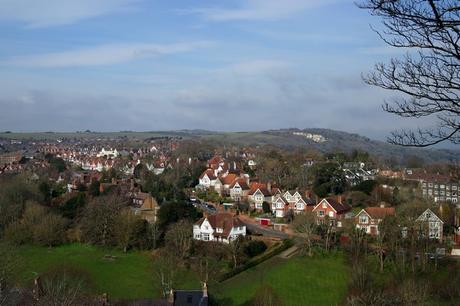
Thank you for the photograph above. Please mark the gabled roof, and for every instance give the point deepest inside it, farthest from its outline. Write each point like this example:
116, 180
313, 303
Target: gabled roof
226, 221
432, 216
337, 206
378, 212
241, 182
209, 173
228, 179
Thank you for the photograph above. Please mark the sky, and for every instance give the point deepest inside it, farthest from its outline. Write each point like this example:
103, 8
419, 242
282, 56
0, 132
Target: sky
225, 65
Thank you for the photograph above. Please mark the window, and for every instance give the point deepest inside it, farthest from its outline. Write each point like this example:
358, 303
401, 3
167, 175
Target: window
324, 205
331, 214
321, 213
206, 237
363, 219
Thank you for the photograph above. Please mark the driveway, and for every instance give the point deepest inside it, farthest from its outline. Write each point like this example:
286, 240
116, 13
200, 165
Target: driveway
264, 231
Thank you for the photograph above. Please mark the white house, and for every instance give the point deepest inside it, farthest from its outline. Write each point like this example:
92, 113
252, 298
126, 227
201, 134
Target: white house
434, 224
207, 178
368, 219
222, 227
108, 153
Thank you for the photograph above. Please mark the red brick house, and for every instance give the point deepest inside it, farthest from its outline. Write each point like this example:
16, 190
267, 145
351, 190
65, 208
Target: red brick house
331, 210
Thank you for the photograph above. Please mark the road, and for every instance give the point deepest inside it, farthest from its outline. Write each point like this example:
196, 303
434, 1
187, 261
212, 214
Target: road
268, 232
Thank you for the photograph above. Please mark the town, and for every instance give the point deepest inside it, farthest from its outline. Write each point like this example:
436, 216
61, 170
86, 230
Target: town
216, 212
230, 153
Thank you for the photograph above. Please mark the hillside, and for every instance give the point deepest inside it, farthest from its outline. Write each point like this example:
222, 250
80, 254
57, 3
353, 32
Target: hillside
324, 140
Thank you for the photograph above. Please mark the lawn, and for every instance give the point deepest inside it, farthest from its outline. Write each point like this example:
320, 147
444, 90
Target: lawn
126, 276
321, 280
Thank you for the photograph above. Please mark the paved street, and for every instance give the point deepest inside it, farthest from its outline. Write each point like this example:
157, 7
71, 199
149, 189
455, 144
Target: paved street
259, 229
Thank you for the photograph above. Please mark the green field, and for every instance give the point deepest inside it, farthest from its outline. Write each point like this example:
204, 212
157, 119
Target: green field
299, 281
127, 276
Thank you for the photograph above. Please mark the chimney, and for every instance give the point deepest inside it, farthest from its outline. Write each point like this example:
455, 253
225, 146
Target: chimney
170, 299
339, 199
205, 289
269, 187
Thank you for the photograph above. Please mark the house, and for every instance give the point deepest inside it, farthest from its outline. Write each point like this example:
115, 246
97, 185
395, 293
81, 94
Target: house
280, 207
146, 206
222, 227
239, 190
207, 178
431, 225
188, 297
332, 210
369, 218
290, 200
258, 194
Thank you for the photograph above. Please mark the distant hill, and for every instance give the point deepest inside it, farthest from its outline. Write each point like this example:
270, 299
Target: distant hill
324, 140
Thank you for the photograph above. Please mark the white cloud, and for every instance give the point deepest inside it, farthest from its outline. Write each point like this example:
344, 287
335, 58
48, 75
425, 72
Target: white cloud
260, 10
103, 54
43, 13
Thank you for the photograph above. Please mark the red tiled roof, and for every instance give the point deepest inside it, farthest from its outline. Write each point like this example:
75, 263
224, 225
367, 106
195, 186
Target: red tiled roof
379, 212
228, 179
210, 174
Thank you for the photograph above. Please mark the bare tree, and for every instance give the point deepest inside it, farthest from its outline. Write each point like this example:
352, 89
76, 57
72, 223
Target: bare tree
125, 230
429, 77
305, 226
165, 269
179, 238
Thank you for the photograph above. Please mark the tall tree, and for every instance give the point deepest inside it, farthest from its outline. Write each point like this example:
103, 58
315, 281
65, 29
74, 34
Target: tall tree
429, 76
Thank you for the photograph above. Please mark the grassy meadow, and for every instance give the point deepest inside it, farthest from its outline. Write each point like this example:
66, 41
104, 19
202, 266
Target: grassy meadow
126, 276
297, 281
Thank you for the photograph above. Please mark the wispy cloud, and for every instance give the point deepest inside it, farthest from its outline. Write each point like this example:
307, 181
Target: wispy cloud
43, 13
104, 54
382, 50
259, 10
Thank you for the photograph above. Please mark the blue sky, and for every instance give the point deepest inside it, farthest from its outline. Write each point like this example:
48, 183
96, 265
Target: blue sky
114, 65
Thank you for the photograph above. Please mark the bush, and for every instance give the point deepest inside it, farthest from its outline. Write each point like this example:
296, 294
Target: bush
51, 231
266, 207
254, 248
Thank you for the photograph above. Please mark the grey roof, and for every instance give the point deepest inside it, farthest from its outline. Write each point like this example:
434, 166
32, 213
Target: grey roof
190, 298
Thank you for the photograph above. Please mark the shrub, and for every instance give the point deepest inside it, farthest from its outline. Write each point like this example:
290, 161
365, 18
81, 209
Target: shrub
254, 248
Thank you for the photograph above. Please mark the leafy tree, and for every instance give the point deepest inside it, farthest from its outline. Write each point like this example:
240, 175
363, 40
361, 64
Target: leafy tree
266, 207
328, 178
254, 248
94, 188
173, 212
73, 206
366, 186
56, 163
